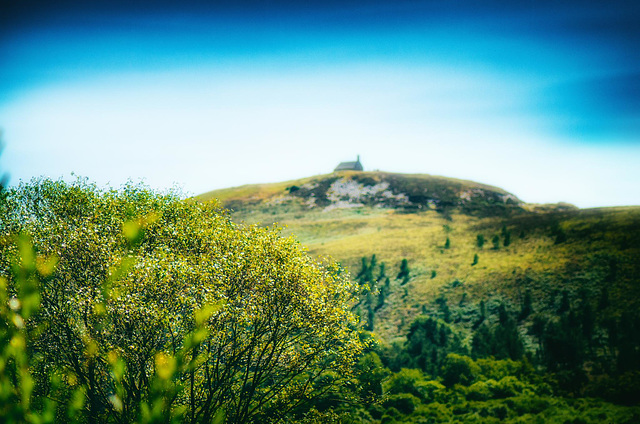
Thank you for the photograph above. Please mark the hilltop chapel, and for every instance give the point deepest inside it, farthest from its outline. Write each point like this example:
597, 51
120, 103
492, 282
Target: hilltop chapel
349, 166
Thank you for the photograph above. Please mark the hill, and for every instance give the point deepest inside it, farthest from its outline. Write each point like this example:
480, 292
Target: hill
487, 309
346, 189
436, 224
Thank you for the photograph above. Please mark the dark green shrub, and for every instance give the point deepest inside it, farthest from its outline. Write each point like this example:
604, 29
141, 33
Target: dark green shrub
507, 387
528, 404
433, 391
405, 381
479, 391
459, 369
390, 416
404, 272
435, 413
371, 373
405, 403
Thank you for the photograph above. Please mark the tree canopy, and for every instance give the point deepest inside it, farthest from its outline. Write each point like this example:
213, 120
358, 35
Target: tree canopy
154, 294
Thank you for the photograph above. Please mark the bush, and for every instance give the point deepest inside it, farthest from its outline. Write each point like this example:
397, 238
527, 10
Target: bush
459, 369
405, 403
507, 387
163, 306
498, 369
527, 404
390, 416
371, 373
479, 391
433, 391
405, 381
435, 412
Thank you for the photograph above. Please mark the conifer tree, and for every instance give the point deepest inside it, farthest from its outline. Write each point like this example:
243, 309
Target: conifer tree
527, 306
482, 315
382, 273
507, 238
496, 242
404, 271
444, 308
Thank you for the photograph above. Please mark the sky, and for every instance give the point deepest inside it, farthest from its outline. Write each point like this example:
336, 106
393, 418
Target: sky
540, 98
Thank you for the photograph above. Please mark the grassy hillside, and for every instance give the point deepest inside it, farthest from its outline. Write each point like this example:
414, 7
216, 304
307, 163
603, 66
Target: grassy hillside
551, 249
487, 309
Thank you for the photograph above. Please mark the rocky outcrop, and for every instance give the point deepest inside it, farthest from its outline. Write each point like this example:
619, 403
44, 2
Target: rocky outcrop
404, 192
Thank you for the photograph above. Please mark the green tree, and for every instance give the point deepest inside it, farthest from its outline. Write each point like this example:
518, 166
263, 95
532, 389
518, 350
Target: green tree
508, 343
480, 241
447, 243
405, 381
496, 242
371, 315
371, 373
475, 260
382, 295
365, 275
154, 295
404, 271
444, 309
381, 273
558, 232
563, 344
482, 314
482, 343
459, 369
527, 306
373, 263
428, 343
501, 341
565, 304
506, 236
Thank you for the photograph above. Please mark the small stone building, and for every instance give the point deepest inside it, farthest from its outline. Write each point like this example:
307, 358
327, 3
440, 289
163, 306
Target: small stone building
349, 166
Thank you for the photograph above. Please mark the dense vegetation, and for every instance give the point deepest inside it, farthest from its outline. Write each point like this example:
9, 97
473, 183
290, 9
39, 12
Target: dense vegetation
549, 294
134, 306
495, 361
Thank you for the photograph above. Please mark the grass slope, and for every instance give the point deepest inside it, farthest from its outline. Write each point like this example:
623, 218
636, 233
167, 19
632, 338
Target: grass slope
553, 248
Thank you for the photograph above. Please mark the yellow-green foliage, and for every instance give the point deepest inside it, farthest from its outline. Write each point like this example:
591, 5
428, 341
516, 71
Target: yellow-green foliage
164, 309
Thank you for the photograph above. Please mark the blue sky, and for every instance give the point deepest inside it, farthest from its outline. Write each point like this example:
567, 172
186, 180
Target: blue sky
539, 98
